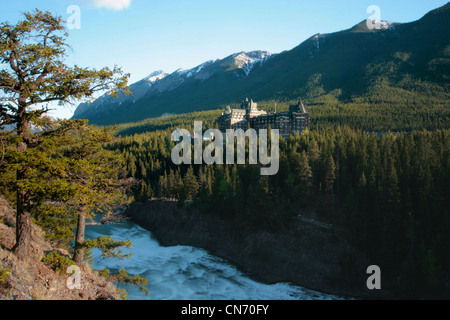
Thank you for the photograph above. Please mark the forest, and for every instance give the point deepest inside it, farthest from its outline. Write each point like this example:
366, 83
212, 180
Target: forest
386, 192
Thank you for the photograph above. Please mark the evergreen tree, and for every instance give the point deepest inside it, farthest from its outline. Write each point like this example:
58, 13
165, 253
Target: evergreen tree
190, 184
33, 73
304, 176
330, 178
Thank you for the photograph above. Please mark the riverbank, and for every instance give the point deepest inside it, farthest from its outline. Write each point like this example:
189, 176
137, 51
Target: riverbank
308, 255
34, 280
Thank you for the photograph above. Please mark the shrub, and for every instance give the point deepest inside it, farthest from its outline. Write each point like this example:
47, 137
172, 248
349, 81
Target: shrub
57, 262
4, 274
104, 273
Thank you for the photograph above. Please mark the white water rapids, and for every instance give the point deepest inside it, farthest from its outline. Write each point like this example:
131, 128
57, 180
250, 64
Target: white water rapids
187, 273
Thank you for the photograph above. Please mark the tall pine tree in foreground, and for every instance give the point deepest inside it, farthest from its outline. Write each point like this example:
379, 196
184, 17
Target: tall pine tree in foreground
32, 74
97, 177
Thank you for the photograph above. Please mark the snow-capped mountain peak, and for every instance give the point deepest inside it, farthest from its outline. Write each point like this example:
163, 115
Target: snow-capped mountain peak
155, 76
160, 81
194, 71
247, 60
381, 25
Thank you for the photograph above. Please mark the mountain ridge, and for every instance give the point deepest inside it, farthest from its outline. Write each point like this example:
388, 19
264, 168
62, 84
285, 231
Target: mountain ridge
160, 81
346, 65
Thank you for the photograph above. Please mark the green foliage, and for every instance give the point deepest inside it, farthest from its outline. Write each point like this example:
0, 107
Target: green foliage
109, 247
169, 123
57, 220
4, 274
37, 44
33, 74
190, 184
122, 293
385, 191
137, 281
400, 110
430, 269
105, 273
79, 175
57, 262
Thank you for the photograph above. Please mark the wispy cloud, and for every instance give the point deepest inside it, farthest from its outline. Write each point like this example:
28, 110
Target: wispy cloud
112, 4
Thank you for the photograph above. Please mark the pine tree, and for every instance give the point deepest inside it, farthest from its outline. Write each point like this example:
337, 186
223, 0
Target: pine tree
96, 175
330, 178
304, 176
33, 73
313, 151
163, 187
190, 184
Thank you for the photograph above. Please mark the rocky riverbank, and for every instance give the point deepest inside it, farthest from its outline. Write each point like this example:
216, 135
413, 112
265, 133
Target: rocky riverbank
308, 255
34, 280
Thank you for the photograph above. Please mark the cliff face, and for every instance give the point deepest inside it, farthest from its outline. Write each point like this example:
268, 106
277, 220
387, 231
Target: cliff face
32, 279
309, 255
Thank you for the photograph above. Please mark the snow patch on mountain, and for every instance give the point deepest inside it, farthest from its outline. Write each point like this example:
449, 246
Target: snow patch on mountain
380, 25
155, 76
247, 60
160, 81
188, 73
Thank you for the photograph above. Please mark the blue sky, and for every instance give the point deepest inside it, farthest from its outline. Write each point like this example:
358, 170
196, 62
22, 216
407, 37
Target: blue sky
142, 36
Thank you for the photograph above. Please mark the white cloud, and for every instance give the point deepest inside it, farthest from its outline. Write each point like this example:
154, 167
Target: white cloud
112, 4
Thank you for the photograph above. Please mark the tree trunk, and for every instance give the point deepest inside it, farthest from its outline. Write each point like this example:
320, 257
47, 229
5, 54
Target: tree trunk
23, 219
79, 239
23, 229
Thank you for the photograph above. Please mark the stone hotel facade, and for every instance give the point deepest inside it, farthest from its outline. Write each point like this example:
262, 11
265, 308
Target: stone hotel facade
248, 115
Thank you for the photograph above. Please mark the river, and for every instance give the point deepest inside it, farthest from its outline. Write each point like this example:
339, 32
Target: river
187, 273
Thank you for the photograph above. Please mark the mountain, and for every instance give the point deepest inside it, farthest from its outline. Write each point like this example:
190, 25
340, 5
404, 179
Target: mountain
396, 63
159, 82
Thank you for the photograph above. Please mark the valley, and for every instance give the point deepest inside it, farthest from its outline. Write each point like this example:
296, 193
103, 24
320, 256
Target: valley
140, 194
